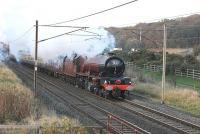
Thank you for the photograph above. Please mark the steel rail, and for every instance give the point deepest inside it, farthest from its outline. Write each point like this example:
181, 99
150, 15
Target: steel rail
77, 108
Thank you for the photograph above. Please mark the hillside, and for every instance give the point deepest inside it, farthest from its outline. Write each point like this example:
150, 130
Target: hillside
181, 33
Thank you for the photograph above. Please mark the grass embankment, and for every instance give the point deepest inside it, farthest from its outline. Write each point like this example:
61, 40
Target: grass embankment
185, 99
18, 106
16, 101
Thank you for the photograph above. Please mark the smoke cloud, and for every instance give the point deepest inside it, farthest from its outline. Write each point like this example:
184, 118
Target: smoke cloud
84, 45
80, 42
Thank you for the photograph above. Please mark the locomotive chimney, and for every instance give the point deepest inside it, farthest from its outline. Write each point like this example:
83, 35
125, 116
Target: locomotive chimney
111, 54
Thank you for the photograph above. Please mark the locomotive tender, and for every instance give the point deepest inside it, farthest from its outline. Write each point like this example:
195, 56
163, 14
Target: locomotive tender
102, 74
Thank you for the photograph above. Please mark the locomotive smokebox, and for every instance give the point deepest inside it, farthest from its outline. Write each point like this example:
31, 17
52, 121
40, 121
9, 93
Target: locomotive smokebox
114, 66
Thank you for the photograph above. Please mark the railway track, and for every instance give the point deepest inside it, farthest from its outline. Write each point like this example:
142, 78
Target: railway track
177, 124
167, 120
174, 123
99, 115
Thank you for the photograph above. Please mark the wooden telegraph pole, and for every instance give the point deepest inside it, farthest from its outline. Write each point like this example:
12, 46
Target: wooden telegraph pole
164, 63
36, 52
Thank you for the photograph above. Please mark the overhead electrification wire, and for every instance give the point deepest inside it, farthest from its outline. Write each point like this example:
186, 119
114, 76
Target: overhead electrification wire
147, 38
134, 31
160, 20
168, 29
93, 38
62, 26
86, 16
186, 38
183, 26
60, 35
91, 32
84, 35
22, 35
146, 30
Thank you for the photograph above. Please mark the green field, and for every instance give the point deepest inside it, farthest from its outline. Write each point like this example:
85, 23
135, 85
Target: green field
180, 81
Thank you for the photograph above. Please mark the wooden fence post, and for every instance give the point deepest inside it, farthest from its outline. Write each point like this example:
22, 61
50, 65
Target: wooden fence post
193, 73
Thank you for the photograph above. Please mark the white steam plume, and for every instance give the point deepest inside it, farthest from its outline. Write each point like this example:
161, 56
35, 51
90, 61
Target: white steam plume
67, 44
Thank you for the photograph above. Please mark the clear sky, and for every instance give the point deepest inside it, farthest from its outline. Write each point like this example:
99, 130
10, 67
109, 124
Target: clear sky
16, 16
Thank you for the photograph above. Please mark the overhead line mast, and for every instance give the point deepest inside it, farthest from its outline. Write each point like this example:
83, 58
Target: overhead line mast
36, 51
164, 63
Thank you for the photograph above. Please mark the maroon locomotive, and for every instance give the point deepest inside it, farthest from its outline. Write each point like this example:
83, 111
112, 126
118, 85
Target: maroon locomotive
102, 74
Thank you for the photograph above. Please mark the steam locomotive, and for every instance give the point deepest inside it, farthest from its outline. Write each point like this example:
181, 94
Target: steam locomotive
102, 74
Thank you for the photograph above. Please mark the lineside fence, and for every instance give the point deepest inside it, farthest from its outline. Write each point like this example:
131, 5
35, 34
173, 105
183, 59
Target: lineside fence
116, 125
190, 73
148, 67
132, 68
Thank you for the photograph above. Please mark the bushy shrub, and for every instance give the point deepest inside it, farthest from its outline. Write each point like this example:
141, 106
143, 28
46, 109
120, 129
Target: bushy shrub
196, 50
16, 100
190, 59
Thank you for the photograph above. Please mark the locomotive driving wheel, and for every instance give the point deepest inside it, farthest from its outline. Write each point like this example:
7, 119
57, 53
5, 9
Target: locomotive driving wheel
101, 92
96, 90
104, 93
122, 94
87, 84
